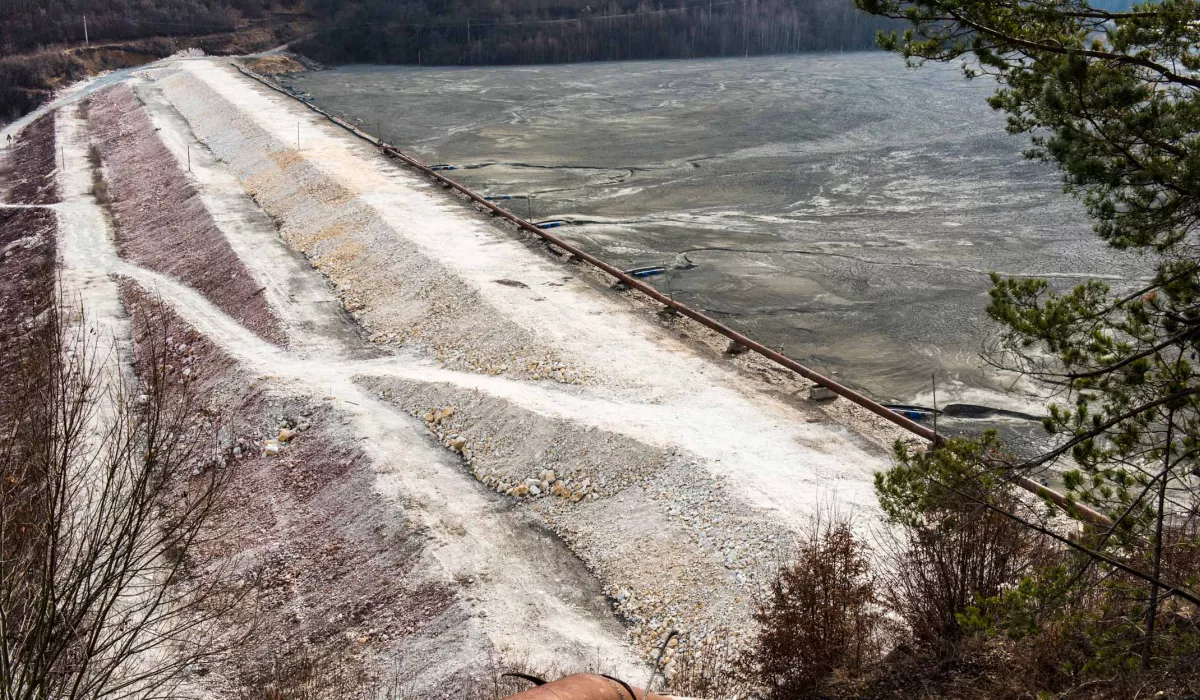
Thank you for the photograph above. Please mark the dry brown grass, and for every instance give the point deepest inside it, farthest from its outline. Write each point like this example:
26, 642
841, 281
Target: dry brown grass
275, 65
99, 191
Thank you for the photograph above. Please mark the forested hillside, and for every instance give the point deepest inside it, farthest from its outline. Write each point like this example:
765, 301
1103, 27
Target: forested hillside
550, 31
26, 25
41, 41
42, 45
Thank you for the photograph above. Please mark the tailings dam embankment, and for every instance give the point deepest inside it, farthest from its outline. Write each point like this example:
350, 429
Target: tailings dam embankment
672, 475
557, 474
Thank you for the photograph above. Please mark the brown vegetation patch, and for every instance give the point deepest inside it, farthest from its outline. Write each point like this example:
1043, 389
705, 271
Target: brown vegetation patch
275, 65
105, 58
161, 222
28, 81
820, 614
26, 286
38, 57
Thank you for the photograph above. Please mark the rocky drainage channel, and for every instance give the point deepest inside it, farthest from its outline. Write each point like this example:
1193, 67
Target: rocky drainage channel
674, 548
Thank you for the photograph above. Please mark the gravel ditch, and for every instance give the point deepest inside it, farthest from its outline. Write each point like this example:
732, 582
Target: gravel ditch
673, 547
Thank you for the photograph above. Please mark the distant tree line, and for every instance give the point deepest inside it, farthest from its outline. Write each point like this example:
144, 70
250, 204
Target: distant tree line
484, 32
28, 25
42, 41
472, 32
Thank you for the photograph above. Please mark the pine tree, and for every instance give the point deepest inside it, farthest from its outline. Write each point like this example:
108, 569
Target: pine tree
1112, 97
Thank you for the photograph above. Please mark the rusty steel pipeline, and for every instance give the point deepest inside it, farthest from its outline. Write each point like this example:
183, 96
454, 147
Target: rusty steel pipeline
706, 321
1089, 514
586, 686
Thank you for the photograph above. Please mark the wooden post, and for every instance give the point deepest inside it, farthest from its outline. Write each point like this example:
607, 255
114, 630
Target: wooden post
933, 376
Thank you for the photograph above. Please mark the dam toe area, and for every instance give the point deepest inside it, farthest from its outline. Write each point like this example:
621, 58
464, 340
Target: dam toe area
509, 459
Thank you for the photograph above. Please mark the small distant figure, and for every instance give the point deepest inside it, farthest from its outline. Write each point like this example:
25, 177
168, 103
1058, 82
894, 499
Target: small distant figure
10, 141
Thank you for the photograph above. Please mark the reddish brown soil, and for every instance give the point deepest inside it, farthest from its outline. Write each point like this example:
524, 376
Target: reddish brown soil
26, 288
27, 251
331, 567
161, 223
156, 329
30, 166
326, 567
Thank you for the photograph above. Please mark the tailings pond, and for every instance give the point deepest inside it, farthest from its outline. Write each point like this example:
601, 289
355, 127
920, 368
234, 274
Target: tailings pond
840, 207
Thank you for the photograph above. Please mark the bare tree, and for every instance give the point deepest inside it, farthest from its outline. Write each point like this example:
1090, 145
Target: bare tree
106, 483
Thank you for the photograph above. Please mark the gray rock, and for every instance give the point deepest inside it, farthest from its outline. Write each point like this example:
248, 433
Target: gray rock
820, 393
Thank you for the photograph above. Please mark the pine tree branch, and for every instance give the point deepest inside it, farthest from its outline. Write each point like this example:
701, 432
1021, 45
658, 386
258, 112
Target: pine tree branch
1169, 589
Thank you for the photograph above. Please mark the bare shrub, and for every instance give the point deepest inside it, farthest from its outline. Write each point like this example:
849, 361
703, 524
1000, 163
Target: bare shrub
710, 672
99, 188
105, 485
820, 616
100, 192
959, 557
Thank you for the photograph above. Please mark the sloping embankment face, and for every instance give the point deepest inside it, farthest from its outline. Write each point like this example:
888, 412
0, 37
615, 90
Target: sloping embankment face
675, 478
363, 546
27, 252
160, 221
397, 292
335, 576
